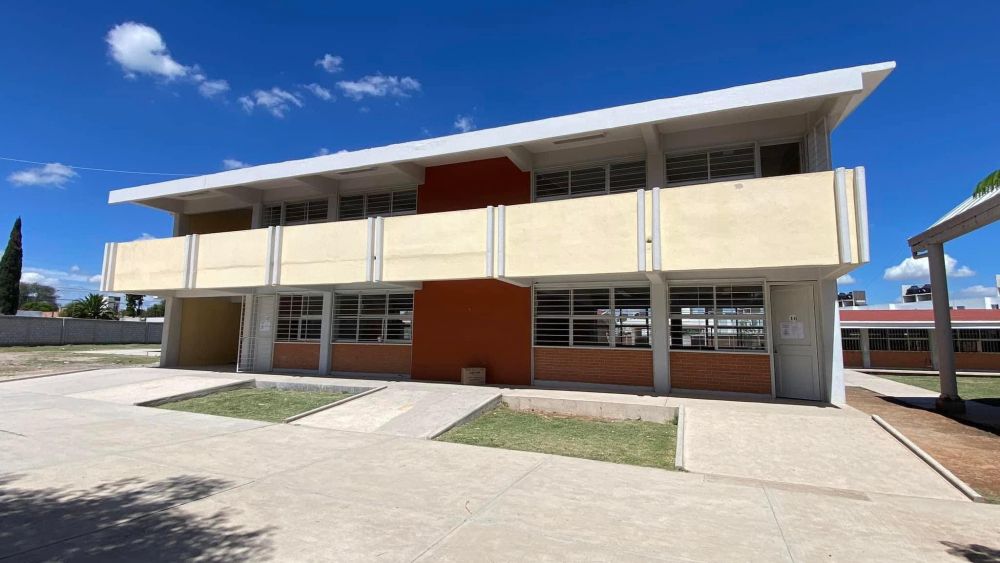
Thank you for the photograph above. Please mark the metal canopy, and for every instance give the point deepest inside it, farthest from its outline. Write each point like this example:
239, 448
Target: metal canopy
971, 214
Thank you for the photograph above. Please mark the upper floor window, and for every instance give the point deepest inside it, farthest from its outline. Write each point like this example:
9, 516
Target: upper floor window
295, 213
590, 179
384, 204
733, 163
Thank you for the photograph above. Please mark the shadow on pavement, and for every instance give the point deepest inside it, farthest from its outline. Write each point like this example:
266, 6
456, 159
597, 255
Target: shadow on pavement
973, 552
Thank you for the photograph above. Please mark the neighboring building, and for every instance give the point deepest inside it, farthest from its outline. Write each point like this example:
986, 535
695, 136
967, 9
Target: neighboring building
852, 299
672, 245
915, 293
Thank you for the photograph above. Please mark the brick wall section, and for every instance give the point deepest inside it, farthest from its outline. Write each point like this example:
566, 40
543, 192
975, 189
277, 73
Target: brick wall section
371, 358
853, 359
594, 365
977, 361
736, 373
296, 355
893, 359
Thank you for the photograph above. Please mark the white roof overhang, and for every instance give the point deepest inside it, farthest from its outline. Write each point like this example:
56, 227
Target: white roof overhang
971, 214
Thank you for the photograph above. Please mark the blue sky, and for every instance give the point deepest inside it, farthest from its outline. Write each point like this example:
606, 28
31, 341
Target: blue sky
252, 83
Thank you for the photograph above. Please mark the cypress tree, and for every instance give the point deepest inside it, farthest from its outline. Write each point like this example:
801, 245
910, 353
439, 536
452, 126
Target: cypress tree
10, 272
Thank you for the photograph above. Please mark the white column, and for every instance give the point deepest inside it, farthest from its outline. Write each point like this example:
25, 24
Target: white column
932, 344
830, 349
660, 337
866, 349
257, 215
170, 345
942, 324
838, 394
325, 334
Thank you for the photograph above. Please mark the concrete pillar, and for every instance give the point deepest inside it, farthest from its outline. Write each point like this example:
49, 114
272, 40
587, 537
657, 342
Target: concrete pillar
257, 215
838, 394
325, 333
949, 399
932, 345
659, 329
830, 349
180, 224
866, 349
170, 345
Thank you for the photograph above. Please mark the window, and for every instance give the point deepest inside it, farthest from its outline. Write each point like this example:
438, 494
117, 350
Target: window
718, 317
607, 317
300, 318
295, 213
384, 204
850, 339
746, 161
591, 179
977, 340
373, 317
899, 340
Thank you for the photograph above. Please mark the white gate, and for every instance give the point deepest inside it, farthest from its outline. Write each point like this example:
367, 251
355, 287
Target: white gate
256, 333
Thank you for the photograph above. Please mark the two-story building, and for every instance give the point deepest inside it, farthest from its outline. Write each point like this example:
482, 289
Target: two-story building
683, 244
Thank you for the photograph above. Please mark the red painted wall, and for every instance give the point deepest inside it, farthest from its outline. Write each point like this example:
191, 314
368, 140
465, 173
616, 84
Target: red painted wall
470, 185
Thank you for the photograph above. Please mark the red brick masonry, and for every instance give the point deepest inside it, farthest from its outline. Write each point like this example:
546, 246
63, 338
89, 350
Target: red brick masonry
709, 371
371, 358
296, 355
594, 365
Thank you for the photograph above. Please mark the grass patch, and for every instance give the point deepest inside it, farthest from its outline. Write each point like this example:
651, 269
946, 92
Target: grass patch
633, 442
268, 405
983, 389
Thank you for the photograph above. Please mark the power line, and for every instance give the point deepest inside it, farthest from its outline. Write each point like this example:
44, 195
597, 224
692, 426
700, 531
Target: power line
96, 169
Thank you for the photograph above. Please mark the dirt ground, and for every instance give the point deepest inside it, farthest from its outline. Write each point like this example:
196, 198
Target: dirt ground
39, 360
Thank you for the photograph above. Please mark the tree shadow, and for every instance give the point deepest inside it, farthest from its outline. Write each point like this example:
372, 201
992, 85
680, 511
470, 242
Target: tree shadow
973, 552
126, 520
986, 424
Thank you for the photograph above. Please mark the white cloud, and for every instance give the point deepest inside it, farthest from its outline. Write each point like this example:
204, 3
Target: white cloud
145, 236
379, 86
319, 91
846, 279
52, 174
323, 151
96, 279
140, 49
275, 100
35, 277
233, 164
978, 291
911, 269
74, 269
464, 123
331, 63
74, 277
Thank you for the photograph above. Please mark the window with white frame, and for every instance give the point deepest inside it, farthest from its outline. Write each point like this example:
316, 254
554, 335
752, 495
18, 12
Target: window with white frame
373, 317
378, 204
850, 339
609, 317
295, 213
899, 339
727, 317
590, 179
300, 318
749, 160
977, 340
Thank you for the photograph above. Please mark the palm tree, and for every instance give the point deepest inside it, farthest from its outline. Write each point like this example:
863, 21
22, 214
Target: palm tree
988, 184
93, 306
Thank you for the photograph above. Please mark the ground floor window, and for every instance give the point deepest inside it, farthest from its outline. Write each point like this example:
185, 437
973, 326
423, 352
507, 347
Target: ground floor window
300, 318
373, 317
609, 317
718, 317
850, 339
899, 340
977, 340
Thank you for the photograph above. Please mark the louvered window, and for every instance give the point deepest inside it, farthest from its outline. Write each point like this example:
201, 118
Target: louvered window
850, 339
295, 213
380, 204
300, 318
899, 339
707, 166
981, 340
718, 317
603, 317
373, 317
590, 180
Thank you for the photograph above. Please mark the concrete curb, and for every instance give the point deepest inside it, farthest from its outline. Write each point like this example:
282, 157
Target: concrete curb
475, 413
41, 375
679, 452
333, 404
247, 384
942, 470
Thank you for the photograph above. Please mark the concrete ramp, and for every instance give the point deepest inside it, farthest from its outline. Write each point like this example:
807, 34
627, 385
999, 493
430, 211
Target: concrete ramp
416, 410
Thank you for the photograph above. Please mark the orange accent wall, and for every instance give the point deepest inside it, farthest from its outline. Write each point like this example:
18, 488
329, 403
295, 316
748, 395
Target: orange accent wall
738, 373
853, 359
296, 355
210, 331
469, 185
593, 365
897, 359
370, 358
219, 221
472, 323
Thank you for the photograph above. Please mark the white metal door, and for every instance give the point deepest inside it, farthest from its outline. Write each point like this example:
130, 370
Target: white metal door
257, 333
793, 334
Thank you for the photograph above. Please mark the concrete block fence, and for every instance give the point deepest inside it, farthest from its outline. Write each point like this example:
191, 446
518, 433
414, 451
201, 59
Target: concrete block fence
41, 331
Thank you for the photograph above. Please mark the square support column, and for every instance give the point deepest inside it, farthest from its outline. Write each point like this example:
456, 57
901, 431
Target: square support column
866, 349
325, 332
170, 344
949, 399
659, 329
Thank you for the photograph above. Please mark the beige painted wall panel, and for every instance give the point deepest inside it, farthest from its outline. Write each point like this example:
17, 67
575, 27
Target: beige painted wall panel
149, 265
764, 222
591, 235
435, 246
234, 259
324, 253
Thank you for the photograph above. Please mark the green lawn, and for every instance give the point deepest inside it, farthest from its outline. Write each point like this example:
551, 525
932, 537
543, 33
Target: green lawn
969, 387
269, 405
633, 442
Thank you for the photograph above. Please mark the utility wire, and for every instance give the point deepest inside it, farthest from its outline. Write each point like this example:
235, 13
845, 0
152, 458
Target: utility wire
95, 169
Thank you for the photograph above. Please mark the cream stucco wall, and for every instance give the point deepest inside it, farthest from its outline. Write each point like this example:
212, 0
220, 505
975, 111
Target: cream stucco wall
435, 246
324, 253
234, 259
149, 264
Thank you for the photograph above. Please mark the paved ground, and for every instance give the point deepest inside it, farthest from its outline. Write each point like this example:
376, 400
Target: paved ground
19, 361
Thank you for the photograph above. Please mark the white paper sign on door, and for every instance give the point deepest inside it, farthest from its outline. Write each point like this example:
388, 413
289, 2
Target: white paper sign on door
792, 330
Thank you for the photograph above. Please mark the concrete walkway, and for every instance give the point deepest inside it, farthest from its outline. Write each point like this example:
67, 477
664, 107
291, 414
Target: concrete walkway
884, 386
